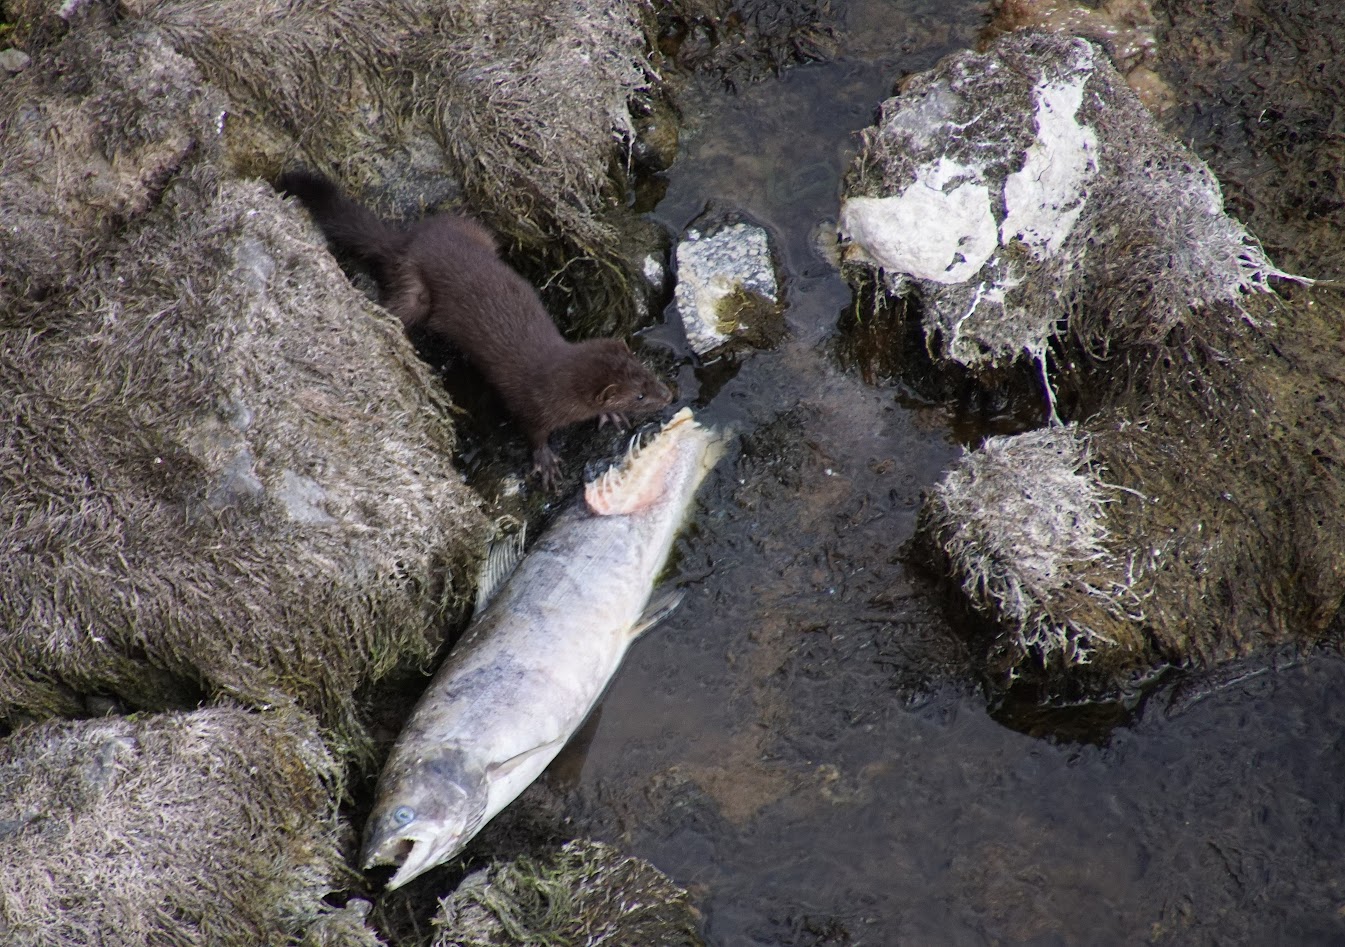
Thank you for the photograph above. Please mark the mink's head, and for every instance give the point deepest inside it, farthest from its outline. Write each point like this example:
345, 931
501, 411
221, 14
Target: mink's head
617, 383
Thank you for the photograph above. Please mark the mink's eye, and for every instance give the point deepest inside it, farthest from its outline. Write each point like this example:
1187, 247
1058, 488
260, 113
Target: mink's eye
640, 396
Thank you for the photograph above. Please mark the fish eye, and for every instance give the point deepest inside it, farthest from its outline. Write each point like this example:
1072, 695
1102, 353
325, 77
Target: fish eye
403, 814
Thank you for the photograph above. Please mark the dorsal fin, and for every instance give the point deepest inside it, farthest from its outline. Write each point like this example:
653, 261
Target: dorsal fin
501, 560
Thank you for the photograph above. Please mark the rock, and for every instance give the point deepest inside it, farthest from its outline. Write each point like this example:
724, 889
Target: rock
235, 445
342, 927
1174, 506
522, 105
990, 191
585, 893
726, 286
14, 60
216, 827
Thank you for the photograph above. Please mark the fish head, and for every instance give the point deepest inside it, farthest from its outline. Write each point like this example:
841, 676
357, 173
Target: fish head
426, 815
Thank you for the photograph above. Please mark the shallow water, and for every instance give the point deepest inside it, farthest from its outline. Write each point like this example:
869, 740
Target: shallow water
803, 744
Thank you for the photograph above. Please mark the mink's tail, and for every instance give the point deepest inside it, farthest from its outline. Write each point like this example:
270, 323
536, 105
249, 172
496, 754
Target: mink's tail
348, 224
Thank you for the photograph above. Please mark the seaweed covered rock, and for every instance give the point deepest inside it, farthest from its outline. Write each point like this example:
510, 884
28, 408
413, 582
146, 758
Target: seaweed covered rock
210, 828
585, 893
342, 927
521, 109
224, 471
1030, 211
90, 134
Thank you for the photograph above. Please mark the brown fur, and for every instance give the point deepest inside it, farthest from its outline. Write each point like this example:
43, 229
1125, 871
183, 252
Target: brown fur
443, 275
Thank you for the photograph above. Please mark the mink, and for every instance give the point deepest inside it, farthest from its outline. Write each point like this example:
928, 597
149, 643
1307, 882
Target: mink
443, 275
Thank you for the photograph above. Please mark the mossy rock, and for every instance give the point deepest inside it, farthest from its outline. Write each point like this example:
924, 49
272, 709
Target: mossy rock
216, 828
585, 893
1175, 508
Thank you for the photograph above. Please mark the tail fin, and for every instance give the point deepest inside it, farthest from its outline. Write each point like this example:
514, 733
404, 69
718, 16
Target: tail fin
347, 223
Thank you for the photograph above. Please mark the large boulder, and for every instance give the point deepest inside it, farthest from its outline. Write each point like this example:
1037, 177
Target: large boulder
216, 827
1179, 504
518, 112
225, 471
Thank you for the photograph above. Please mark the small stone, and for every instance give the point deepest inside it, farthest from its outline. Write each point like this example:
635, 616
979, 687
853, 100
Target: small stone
720, 270
14, 60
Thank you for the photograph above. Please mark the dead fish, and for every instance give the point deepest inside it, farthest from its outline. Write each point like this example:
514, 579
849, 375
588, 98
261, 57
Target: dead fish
537, 658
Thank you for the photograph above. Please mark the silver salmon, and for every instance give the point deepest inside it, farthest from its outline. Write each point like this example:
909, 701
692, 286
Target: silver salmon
534, 662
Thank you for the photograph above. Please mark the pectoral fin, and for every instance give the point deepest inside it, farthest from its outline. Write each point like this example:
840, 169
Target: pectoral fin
496, 772
657, 610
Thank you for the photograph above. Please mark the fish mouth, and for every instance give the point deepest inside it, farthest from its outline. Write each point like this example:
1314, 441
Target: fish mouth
414, 855
641, 480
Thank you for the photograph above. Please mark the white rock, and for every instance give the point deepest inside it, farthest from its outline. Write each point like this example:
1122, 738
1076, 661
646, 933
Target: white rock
710, 269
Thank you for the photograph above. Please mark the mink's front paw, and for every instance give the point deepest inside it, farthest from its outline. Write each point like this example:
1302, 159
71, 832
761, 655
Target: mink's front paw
547, 465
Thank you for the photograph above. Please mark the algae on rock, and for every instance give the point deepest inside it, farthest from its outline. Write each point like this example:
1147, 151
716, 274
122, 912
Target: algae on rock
90, 134
216, 827
519, 110
1177, 511
225, 471
585, 893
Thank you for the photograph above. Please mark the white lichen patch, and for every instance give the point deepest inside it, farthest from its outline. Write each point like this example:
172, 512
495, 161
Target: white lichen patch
1044, 199
710, 269
302, 498
654, 271
941, 228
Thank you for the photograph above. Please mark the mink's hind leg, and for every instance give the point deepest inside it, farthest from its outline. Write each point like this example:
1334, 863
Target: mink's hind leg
406, 294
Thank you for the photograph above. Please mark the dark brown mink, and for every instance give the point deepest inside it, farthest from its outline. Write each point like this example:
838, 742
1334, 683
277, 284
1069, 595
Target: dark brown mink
443, 275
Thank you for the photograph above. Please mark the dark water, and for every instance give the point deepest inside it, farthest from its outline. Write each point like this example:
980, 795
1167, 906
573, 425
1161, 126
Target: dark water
803, 744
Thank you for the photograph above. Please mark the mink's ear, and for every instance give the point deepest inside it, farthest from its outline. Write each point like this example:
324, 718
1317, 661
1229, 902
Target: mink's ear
607, 395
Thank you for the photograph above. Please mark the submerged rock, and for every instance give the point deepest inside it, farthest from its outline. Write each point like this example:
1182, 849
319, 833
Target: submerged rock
1033, 211
585, 893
